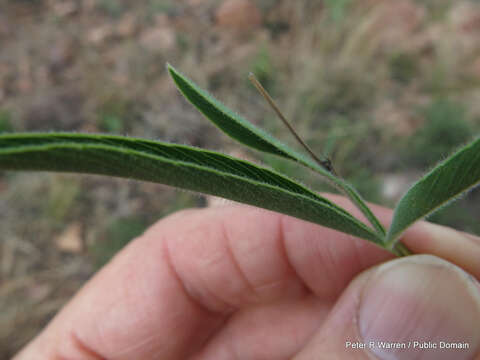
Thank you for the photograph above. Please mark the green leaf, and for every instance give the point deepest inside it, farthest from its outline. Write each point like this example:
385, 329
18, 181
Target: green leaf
248, 134
443, 184
176, 165
225, 119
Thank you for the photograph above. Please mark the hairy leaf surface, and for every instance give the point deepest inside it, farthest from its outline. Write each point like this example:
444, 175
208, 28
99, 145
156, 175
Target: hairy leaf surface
248, 134
443, 184
175, 165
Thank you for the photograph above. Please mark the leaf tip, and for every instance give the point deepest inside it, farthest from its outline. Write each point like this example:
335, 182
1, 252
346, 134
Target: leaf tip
170, 68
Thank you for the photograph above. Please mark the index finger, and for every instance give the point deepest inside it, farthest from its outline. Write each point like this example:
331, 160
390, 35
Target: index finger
170, 290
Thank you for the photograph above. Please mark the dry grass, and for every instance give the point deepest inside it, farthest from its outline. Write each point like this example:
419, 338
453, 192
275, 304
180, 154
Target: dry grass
355, 81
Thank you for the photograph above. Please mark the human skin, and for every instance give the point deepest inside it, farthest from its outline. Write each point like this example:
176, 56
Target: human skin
238, 282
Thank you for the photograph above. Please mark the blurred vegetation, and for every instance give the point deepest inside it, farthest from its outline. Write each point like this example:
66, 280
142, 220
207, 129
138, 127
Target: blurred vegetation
61, 196
112, 8
403, 67
337, 8
121, 230
382, 88
5, 121
264, 69
459, 214
183, 200
115, 115
161, 6
118, 234
445, 128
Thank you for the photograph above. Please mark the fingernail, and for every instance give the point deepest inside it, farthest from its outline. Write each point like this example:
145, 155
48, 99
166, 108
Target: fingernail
420, 307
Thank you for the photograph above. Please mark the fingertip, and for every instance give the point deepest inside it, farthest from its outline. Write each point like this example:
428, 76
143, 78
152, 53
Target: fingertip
454, 246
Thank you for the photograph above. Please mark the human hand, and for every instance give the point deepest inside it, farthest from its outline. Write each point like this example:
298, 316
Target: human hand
238, 282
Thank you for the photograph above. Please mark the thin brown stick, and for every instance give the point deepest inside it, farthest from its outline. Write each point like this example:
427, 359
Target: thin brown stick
326, 163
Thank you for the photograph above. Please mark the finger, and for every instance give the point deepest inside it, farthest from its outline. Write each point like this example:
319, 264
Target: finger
323, 261
455, 246
168, 292
419, 307
423, 237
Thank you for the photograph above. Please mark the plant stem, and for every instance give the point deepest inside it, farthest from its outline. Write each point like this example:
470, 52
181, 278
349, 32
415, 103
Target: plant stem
325, 163
400, 249
318, 165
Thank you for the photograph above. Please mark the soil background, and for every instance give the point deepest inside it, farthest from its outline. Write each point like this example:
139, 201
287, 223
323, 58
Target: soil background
385, 88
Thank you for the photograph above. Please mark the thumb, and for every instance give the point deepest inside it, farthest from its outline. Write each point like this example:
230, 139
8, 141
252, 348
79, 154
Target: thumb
417, 307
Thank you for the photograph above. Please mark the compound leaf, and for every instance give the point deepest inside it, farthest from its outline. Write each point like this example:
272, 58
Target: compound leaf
248, 134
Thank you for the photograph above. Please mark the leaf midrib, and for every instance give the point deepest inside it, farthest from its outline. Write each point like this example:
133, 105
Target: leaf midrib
92, 145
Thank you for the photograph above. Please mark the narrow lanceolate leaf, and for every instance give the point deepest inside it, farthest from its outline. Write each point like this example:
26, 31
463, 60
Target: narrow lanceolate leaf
248, 134
446, 182
228, 121
176, 165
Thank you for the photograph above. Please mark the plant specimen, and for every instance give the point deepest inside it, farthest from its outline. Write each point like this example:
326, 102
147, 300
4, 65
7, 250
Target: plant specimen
225, 176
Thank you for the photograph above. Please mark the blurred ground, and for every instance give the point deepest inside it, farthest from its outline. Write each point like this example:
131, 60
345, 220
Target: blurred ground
386, 88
